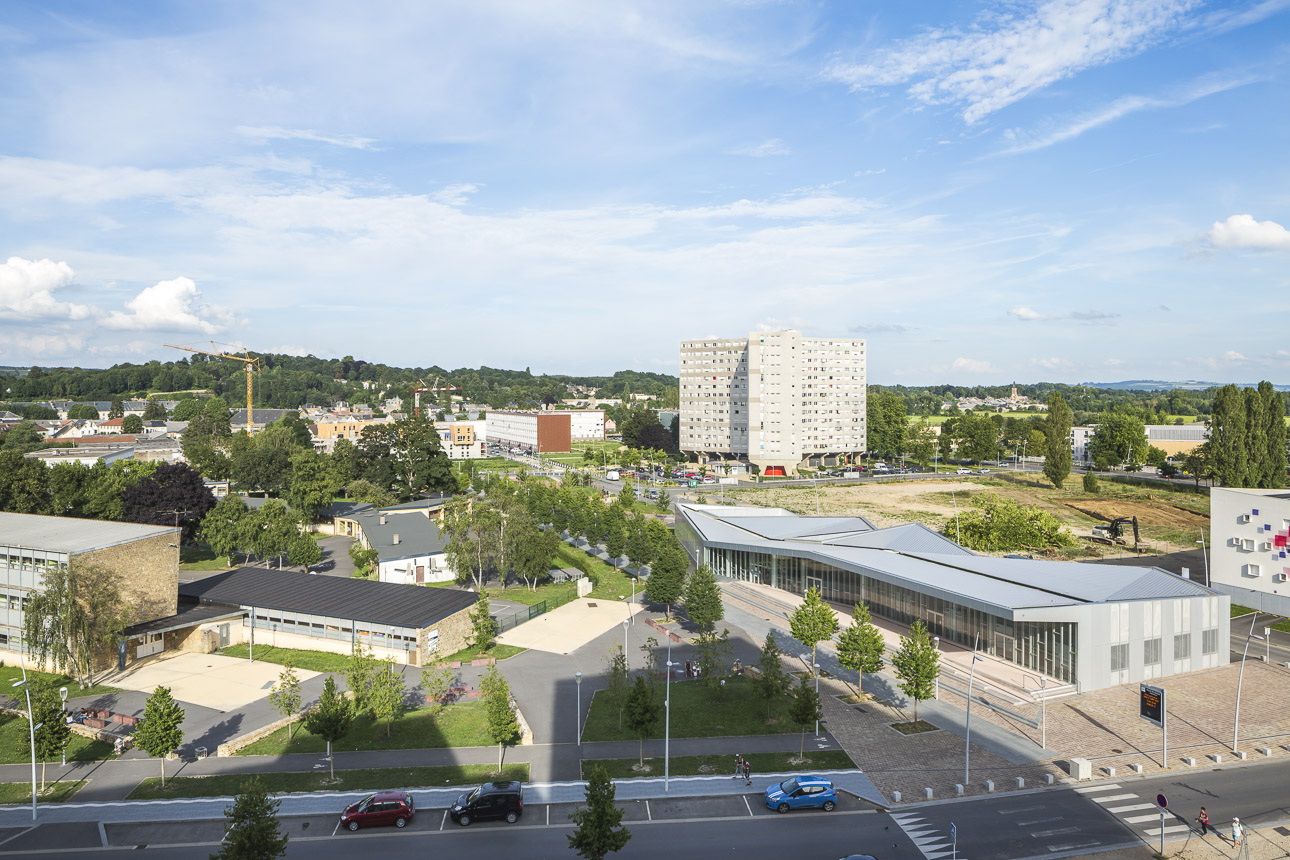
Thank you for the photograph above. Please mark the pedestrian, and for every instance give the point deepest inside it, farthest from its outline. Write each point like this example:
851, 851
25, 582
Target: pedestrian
1237, 831
747, 772
688, 669
739, 765
1203, 821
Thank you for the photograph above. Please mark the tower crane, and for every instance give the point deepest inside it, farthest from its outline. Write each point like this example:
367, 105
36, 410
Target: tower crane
251, 366
416, 392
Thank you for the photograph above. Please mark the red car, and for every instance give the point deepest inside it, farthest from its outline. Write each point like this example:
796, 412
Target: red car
384, 807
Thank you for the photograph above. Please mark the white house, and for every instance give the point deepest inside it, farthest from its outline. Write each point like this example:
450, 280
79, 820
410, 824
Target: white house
409, 546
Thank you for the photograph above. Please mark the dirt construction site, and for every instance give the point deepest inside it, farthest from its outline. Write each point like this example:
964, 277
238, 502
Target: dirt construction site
1167, 518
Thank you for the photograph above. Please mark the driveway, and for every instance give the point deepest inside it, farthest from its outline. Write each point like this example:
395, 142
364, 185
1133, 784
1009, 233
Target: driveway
335, 557
210, 680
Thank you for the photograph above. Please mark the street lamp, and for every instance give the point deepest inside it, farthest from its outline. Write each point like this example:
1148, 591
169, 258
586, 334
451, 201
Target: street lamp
967, 735
577, 721
1205, 556
817, 698
33, 726
667, 713
626, 623
1236, 723
62, 691
936, 646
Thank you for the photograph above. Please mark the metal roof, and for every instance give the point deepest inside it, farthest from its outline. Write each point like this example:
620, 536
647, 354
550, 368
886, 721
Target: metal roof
70, 534
190, 612
910, 537
418, 535
413, 606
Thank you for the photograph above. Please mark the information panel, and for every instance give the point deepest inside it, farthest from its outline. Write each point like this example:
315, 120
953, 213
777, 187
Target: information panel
1152, 705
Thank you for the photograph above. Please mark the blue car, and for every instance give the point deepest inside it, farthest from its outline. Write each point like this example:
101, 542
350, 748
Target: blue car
802, 792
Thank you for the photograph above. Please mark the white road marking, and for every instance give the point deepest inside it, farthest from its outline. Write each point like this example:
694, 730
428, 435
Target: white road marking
929, 842
1132, 808
1138, 819
103, 834
750, 812
1092, 788
334, 830
1176, 828
443, 820
1033, 821
1072, 846
1014, 810
1041, 834
648, 814
1113, 798
548, 815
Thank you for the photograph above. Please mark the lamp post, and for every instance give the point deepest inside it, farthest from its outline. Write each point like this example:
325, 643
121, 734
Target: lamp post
626, 623
33, 725
62, 691
817, 698
936, 646
577, 676
1205, 556
631, 612
1043, 711
1240, 678
967, 735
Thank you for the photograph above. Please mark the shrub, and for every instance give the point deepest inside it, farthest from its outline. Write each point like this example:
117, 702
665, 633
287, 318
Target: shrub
1002, 525
1090, 482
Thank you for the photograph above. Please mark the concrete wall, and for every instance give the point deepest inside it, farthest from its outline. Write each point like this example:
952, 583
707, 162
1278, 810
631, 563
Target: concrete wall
404, 570
452, 633
148, 574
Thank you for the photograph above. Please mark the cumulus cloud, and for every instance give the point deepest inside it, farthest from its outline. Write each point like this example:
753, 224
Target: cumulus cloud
1005, 57
1052, 363
880, 328
1242, 231
58, 344
1234, 356
971, 365
27, 291
1028, 314
173, 305
765, 149
273, 132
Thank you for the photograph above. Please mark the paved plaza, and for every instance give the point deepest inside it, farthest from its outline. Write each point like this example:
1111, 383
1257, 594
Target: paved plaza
567, 628
210, 680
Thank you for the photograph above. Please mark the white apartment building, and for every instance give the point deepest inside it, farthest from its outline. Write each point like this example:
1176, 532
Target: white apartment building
1250, 559
773, 399
463, 440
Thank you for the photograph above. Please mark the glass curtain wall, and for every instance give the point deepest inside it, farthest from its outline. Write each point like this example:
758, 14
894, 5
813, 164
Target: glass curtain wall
1047, 647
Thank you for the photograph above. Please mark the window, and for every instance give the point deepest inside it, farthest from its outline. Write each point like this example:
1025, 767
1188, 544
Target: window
1182, 646
1120, 657
1209, 641
1151, 651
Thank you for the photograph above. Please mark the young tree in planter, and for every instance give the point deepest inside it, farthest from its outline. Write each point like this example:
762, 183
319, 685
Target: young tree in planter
617, 681
813, 621
52, 734
286, 697
667, 576
331, 719
713, 652
643, 712
435, 682
773, 683
160, 733
503, 726
482, 626
861, 647
252, 831
386, 695
359, 669
598, 832
703, 599
917, 665
804, 709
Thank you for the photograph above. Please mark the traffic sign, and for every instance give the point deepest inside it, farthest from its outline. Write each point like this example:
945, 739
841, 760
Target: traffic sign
1160, 799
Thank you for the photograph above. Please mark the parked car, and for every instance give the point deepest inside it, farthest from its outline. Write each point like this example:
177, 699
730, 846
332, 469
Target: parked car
384, 807
611, 475
963, 472
802, 792
653, 494
984, 472
492, 800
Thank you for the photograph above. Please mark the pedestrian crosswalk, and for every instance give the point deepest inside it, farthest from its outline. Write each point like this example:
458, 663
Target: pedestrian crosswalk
933, 843
1056, 832
1117, 802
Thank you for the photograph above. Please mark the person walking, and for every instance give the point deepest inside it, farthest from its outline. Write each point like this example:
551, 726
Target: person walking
739, 766
1203, 821
1237, 832
747, 773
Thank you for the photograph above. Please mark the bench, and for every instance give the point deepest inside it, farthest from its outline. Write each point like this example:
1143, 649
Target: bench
125, 720
95, 722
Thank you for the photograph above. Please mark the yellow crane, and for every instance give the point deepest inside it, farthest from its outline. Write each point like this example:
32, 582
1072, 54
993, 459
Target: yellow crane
251, 366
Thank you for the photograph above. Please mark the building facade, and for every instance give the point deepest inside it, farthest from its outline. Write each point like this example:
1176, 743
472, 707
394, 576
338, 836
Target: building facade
1250, 559
463, 440
534, 432
1090, 626
777, 400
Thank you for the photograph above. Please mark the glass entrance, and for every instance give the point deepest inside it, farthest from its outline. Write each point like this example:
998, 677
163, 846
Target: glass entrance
814, 582
1003, 646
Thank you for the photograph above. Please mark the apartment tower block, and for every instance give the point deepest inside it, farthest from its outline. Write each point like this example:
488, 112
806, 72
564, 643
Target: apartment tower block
775, 400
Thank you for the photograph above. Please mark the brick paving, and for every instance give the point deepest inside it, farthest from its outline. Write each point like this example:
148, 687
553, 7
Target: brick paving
1263, 844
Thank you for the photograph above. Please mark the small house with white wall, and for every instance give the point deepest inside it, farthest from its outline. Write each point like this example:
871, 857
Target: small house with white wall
410, 548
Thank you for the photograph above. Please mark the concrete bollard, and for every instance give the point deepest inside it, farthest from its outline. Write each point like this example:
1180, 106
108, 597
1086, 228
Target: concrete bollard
1266, 751
1136, 768
1110, 771
1242, 755
895, 797
927, 794
958, 789
1021, 782
1217, 757
1189, 761
989, 785
1050, 779
1080, 768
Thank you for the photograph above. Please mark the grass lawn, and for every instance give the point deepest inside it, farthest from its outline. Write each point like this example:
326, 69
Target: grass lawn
722, 763
1237, 610
55, 792
13, 740
201, 558
614, 584
301, 658
497, 652
697, 714
9, 674
522, 594
914, 728
227, 784
461, 725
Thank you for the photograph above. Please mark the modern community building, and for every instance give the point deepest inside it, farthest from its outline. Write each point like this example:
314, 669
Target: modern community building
775, 400
1087, 625
1251, 530
552, 430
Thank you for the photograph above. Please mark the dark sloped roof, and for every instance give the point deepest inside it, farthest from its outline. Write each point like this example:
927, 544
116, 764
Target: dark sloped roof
361, 600
417, 535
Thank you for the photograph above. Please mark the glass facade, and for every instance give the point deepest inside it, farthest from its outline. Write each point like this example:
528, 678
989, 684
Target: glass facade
1047, 647
21, 570
326, 627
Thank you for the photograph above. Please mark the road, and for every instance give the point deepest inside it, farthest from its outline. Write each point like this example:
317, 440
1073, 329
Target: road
1051, 823
1276, 647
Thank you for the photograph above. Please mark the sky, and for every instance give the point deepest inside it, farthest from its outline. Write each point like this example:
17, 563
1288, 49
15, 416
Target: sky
1053, 190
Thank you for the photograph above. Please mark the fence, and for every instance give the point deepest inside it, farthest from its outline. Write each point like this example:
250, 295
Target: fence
540, 608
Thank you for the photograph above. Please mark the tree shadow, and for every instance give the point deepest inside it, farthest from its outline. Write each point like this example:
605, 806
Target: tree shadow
215, 735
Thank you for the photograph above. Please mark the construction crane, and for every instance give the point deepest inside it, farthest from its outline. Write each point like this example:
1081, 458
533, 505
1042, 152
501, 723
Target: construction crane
251, 366
416, 392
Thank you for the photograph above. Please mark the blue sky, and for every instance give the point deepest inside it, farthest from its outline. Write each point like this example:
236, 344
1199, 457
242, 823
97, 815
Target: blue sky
1069, 190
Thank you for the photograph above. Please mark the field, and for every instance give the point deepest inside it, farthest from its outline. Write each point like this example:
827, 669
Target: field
1168, 519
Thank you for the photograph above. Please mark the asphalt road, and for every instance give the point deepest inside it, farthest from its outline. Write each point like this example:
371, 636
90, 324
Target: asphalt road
1275, 647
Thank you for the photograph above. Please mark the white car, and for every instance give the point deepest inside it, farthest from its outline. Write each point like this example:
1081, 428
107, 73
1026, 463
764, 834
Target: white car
963, 472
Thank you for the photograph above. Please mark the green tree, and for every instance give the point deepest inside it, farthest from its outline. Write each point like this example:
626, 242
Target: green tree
640, 542
598, 830
360, 667
1120, 438
1090, 483
227, 529
813, 621
330, 719
1057, 442
703, 599
617, 681
978, 436
643, 712
996, 524
386, 696
861, 647
917, 665
82, 412
251, 829
161, 730
406, 456
186, 409
366, 560
52, 733
483, 627
667, 575
155, 411
503, 726
922, 443
74, 617
313, 485
1268, 445
272, 530
117, 409
886, 421
664, 501
436, 681
532, 550
804, 710
132, 424
303, 551
773, 683
24, 484
363, 490
614, 523
713, 651
286, 697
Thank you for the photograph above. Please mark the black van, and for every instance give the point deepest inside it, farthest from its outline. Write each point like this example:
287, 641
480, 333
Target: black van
491, 800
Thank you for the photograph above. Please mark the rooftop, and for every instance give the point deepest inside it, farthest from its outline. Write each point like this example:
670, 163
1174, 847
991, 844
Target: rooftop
417, 535
70, 534
360, 600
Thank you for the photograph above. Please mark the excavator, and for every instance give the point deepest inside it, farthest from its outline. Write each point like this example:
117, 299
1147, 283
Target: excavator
1114, 532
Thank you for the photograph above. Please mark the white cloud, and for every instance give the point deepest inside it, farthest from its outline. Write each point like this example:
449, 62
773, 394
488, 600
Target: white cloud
454, 195
1052, 363
57, 345
1233, 356
1005, 57
1028, 314
880, 328
173, 305
27, 291
1242, 231
273, 132
971, 365
1114, 362
767, 148
290, 349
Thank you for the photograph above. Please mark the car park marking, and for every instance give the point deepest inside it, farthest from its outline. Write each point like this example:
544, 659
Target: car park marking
444, 820
336, 829
750, 812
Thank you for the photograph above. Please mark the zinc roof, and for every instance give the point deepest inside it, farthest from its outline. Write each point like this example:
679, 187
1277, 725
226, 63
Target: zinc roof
71, 534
